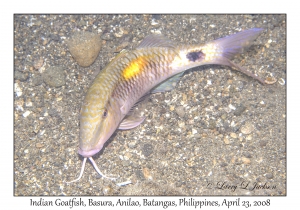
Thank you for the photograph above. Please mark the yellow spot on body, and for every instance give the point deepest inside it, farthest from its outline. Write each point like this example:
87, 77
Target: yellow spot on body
135, 67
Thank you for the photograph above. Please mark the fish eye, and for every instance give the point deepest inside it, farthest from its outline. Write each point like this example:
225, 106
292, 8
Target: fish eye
104, 115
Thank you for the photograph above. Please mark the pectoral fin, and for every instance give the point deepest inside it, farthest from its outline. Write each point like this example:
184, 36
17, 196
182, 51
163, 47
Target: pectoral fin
168, 84
129, 123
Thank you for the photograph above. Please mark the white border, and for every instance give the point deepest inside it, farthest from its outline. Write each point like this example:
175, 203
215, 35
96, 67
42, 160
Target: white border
153, 6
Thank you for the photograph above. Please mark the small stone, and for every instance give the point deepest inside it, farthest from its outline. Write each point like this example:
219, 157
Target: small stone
87, 185
45, 41
172, 108
239, 110
246, 160
262, 103
106, 36
270, 80
127, 156
28, 103
180, 111
84, 47
233, 135
119, 34
269, 176
139, 174
194, 131
232, 107
54, 76
281, 81
39, 145
247, 128
263, 143
54, 37
25, 114
38, 63
147, 150
247, 155
132, 145
224, 116
249, 138
18, 90
126, 163
21, 76
181, 124
37, 80
122, 46
212, 124
146, 173
226, 140
223, 164
107, 190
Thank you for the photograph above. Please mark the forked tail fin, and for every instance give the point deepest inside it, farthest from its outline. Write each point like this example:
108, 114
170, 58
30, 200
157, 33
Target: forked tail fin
236, 44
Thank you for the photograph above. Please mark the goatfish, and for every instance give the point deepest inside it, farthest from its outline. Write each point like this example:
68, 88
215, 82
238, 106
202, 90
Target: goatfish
155, 65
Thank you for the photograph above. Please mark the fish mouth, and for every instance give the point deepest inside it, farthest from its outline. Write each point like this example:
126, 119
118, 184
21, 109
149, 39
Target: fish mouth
88, 153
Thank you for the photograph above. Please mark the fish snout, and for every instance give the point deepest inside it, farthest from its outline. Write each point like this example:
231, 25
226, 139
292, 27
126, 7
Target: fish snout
89, 153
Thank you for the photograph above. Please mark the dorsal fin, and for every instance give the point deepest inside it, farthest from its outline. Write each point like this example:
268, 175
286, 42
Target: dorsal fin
156, 40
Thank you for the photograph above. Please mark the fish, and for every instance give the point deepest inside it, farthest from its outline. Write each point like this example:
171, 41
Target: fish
155, 65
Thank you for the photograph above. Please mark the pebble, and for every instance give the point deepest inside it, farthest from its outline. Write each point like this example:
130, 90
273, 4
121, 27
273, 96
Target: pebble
223, 164
226, 140
122, 46
39, 145
246, 160
84, 47
247, 128
28, 103
233, 135
269, 176
127, 156
107, 36
232, 107
270, 80
194, 131
180, 111
132, 144
172, 108
181, 124
21, 76
25, 114
18, 90
281, 81
239, 110
107, 190
146, 173
249, 138
54, 76
147, 150
247, 155
139, 174
37, 80
38, 63
263, 143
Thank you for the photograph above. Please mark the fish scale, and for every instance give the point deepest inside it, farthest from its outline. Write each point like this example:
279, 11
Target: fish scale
154, 66
151, 68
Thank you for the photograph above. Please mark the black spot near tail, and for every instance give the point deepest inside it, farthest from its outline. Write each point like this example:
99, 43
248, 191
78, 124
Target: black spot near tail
196, 55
